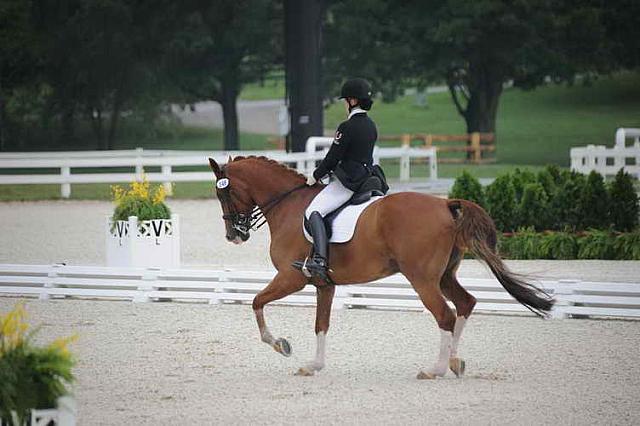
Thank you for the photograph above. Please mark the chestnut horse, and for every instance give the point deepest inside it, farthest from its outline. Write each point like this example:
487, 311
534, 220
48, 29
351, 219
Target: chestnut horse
422, 236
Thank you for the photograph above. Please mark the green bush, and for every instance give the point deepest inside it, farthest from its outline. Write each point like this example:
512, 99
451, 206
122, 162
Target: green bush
139, 200
594, 203
597, 244
467, 187
624, 208
525, 244
565, 207
559, 245
532, 209
500, 197
520, 179
627, 246
30, 376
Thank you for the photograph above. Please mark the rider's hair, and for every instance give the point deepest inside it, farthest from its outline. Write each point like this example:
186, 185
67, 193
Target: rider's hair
365, 104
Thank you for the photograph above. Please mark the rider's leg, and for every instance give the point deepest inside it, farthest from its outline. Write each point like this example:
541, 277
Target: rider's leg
330, 198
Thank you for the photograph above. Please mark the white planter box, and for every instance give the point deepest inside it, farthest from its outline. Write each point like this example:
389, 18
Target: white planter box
150, 243
63, 415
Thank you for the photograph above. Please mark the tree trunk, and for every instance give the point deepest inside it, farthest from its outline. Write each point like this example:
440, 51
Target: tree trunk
483, 89
230, 115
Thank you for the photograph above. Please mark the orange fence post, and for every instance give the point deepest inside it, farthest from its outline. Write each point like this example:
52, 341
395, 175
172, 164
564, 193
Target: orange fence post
475, 146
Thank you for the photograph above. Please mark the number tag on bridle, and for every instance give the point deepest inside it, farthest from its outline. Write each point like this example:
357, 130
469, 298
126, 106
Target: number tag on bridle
222, 183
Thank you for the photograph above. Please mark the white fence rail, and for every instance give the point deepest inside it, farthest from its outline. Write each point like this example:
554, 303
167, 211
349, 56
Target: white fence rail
574, 298
608, 161
167, 160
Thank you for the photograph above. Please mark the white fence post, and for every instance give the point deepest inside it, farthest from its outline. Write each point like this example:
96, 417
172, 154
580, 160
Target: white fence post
65, 188
405, 164
50, 281
147, 285
341, 294
563, 292
166, 174
138, 164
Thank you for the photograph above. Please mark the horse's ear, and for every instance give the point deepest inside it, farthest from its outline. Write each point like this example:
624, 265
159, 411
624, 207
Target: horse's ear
229, 159
214, 166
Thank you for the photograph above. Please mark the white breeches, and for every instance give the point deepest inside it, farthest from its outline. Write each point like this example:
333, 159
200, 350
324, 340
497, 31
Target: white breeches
330, 198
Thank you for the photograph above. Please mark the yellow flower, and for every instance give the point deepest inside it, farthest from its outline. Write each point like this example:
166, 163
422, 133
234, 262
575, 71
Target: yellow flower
140, 189
159, 195
117, 192
61, 344
13, 328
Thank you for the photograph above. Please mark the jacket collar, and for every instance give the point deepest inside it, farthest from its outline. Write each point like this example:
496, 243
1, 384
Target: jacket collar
355, 111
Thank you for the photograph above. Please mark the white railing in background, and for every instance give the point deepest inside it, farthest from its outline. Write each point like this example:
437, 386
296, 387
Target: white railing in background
574, 298
166, 160
405, 154
608, 161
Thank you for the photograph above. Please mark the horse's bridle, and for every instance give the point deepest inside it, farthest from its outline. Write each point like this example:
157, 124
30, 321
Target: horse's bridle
243, 222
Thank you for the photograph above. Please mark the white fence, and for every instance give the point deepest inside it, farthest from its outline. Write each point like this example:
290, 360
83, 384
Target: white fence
608, 161
574, 298
166, 160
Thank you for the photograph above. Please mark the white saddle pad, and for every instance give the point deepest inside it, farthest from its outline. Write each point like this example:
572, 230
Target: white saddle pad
344, 224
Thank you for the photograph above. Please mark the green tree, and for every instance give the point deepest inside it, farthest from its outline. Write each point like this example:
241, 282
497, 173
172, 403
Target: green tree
467, 187
223, 45
624, 208
501, 202
594, 203
532, 209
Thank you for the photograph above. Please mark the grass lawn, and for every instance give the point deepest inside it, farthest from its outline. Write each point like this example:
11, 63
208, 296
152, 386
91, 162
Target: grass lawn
534, 128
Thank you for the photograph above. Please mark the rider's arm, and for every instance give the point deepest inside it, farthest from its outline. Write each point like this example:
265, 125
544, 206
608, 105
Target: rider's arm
335, 153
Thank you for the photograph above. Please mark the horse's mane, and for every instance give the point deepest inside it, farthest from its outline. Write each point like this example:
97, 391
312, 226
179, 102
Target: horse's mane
270, 162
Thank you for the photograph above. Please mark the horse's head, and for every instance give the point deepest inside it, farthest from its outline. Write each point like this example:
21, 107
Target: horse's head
237, 204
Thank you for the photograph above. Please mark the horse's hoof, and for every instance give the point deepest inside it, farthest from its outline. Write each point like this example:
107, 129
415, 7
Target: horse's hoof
282, 346
303, 371
425, 376
457, 365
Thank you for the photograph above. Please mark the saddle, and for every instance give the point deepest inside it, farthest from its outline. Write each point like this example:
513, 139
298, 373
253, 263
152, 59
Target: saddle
374, 186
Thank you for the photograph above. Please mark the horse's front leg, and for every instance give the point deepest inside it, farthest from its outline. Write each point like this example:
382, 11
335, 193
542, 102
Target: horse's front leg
323, 315
282, 285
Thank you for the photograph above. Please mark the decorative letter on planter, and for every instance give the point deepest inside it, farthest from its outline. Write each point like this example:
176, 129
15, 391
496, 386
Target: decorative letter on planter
150, 243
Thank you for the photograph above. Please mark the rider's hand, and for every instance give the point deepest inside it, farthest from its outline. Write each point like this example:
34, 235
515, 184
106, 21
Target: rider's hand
311, 181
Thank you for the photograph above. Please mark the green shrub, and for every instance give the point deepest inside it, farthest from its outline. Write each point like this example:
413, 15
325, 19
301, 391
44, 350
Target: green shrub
559, 245
627, 246
597, 244
30, 376
467, 187
524, 244
624, 207
532, 210
565, 208
139, 200
520, 179
500, 197
594, 203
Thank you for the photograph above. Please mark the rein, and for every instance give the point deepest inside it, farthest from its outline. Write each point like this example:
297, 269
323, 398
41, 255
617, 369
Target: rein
255, 219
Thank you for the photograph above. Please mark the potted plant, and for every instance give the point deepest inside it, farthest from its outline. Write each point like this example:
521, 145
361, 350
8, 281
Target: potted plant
34, 378
142, 232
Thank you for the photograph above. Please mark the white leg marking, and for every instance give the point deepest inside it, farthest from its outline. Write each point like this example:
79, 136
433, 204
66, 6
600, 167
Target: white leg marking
440, 367
457, 332
318, 363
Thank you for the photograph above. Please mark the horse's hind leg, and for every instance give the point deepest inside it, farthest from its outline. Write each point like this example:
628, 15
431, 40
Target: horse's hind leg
433, 300
464, 303
283, 284
323, 314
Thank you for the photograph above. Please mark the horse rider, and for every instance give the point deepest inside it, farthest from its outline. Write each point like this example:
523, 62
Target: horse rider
349, 164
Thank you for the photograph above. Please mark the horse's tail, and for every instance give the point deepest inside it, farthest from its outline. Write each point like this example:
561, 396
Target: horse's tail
476, 232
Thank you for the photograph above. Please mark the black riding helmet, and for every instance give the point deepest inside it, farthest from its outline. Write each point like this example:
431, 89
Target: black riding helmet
358, 88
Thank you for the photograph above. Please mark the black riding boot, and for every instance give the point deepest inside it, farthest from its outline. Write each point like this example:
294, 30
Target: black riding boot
318, 264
